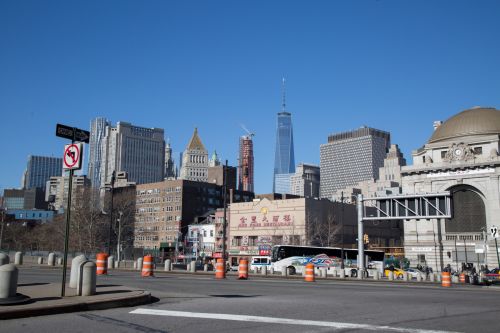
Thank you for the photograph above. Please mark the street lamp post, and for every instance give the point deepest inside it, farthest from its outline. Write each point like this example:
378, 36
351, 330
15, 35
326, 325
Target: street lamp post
111, 212
119, 245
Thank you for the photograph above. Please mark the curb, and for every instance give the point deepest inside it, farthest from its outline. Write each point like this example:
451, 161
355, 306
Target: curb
144, 298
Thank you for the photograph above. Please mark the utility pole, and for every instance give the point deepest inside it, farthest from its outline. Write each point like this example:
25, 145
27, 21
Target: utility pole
1, 226
111, 212
224, 219
342, 228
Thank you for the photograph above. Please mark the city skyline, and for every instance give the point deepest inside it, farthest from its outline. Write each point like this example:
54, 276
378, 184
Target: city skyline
179, 66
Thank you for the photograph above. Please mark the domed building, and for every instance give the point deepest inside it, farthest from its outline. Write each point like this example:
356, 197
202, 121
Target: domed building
461, 157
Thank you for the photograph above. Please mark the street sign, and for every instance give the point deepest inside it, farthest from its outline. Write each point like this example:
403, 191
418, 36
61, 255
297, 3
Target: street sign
494, 232
72, 133
72, 159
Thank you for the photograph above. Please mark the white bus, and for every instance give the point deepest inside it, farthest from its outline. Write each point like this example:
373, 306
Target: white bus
293, 258
260, 261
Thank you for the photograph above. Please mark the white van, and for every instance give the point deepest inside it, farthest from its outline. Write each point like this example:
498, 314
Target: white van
260, 261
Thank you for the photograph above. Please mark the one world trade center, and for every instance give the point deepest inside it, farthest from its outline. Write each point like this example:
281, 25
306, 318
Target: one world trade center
284, 159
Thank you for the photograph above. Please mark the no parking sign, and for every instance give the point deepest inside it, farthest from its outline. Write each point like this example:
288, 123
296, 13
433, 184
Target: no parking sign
72, 159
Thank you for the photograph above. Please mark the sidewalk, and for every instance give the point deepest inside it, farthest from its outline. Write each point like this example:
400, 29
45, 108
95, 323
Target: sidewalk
46, 300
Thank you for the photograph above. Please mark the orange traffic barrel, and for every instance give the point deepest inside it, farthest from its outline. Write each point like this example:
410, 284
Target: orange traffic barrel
101, 263
309, 276
243, 269
462, 278
445, 279
220, 273
147, 266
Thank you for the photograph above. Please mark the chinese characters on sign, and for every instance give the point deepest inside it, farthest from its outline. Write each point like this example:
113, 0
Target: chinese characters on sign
276, 221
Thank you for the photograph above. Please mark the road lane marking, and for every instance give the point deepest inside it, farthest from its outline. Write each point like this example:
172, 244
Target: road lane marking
273, 320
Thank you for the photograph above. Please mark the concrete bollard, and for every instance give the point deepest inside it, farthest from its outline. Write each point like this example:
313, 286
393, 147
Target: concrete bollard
271, 271
406, 277
323, 272
455, 279
59, 261
432, 277
75, 268
263, 271
360, 274
18, 259
438, 277
86, 285
40, 260
376, 275
419, 277
8, 280
391, 276
188, 267
342, 274
111, 262
284, 272
51, 259
135, 264
205, 268
4, 259
139, 264
167, 265
193, 266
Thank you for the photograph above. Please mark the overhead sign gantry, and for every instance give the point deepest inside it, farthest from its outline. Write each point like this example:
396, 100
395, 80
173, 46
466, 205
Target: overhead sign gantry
401, 207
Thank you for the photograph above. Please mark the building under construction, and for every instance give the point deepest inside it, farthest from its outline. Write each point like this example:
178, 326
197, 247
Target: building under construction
245, 167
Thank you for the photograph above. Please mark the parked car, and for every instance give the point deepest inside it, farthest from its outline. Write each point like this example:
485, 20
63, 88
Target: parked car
398, 273
232, 267
492, 277
413, 272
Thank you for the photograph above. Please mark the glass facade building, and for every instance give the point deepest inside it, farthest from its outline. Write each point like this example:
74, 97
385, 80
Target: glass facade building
40, 169
284, 158
97, 133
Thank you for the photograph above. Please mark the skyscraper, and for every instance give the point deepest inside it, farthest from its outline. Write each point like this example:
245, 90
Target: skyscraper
97, 132
284, 159
170, 170
195, 160
245, 167
139, 151
351, 157
40, 169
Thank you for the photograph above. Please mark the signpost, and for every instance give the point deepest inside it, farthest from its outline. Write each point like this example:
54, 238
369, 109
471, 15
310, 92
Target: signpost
72, 160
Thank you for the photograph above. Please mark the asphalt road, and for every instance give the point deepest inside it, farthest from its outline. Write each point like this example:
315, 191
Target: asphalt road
199, 303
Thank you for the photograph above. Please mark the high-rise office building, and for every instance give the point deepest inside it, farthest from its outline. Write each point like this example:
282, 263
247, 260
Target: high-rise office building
97, 133
245, 167
351, 157
195, 160
284, 159
305, 181
40, 169
139, 151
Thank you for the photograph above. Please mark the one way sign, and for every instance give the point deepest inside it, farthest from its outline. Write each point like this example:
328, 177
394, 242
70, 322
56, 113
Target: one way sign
72, 133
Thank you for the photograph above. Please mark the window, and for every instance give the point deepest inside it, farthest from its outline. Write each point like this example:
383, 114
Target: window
478, 150
237, 241
211, 233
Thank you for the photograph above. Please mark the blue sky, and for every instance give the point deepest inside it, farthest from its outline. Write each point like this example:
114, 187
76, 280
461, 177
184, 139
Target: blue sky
393, 65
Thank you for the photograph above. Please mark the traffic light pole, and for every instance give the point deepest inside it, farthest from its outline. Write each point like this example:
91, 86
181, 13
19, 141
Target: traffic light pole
361, 247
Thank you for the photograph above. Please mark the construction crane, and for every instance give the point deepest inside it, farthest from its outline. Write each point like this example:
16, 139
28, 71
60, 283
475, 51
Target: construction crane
250, 134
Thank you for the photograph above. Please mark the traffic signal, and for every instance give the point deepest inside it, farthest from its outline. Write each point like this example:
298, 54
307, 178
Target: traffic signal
365, 239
